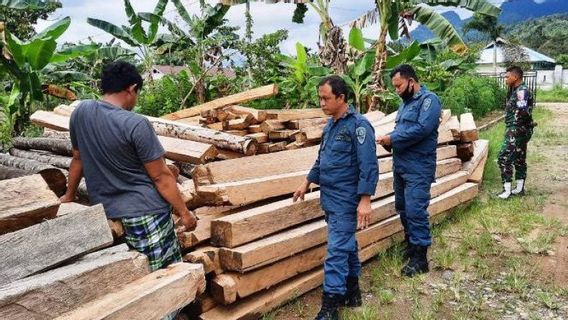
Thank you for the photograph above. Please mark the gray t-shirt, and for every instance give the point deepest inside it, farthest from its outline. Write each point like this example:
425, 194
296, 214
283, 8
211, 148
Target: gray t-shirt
114, 145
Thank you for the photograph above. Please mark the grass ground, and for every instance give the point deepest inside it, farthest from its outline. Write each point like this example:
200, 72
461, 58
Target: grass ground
557, 94
491, 259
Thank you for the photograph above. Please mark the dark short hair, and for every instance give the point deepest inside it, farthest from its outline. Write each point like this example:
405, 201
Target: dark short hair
516, 70
118, 76
406, 71
337, 84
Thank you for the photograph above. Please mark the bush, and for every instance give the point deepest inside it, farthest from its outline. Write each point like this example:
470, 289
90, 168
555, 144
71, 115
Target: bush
164, 96
472, 93
557, 94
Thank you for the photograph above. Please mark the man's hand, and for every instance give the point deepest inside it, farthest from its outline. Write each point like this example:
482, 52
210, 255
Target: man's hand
364, 212
301, 191
188, 220
384, 140
67, 198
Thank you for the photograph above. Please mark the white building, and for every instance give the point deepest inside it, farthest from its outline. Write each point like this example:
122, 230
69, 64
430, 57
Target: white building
548, 73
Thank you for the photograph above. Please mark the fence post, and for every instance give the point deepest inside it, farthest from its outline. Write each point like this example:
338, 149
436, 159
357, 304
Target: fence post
557, 79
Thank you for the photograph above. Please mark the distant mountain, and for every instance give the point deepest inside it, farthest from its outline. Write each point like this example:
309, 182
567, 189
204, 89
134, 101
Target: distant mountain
512, 12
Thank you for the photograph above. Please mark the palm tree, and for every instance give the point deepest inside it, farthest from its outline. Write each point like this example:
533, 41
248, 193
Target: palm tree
486, 25
395, 18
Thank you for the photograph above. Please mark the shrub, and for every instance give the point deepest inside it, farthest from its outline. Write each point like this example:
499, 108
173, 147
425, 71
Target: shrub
164, 96
557, 94
472, 93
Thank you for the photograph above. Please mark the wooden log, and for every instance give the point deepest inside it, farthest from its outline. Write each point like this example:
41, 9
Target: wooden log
51, 294
260, 137
24, 202
50, 120
468, 129
266, 300
202, 233
255, 306
50, 133
306, 123
262, 166
310, 134
295, 114
238, 124
70, 208
254, 128
272, 125
208, 256
258, 116
374, 116
253, 190
242, 97
220, 140
223, 289
55, 177
57, 146
47, 158
240, 133
206, 121
480, 151
188, 151
283, 134
453, 125
50, 243
194, 121
295, 145
228, 154
64, 110
263, 148
216, 126
150, 297
465, 151
477, 174
445, 116
11, 172
277, 146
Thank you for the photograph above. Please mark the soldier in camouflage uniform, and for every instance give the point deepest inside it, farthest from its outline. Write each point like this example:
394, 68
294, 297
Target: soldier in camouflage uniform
518, 132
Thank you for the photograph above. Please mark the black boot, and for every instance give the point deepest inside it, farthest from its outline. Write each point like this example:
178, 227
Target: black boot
353, 293
329, 304
409, 248
418, 262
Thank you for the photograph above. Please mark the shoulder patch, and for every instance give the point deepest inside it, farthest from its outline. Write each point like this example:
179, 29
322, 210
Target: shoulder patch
361, 133
427, 103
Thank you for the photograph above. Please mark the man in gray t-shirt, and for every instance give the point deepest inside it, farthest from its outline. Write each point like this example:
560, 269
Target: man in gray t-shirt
122, 160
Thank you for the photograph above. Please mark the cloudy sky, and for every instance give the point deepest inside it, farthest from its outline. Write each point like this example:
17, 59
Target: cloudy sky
267, 18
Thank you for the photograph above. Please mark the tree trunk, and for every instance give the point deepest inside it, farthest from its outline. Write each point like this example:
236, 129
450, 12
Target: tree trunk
57, 146
245, 145
11, 172
378, 85
333, 53
51, 159
54, 177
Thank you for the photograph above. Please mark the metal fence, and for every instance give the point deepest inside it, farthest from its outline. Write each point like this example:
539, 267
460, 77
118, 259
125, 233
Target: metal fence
529, 78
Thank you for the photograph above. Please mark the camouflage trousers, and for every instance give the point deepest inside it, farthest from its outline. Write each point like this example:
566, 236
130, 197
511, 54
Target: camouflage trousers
513, 153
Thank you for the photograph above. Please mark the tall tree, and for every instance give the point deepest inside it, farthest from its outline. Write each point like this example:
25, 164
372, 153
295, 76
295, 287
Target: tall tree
488, 26
20, 16
395, 17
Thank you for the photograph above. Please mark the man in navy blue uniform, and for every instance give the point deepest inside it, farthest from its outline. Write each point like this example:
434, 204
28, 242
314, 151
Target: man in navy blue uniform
413, 143
347, 172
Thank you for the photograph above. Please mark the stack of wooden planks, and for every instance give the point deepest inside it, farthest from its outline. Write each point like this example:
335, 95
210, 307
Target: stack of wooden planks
257, 247
58, 261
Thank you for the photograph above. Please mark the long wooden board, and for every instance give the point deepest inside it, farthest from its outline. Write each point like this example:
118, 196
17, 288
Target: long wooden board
480, 151
468, 129
295, 114
477, 174
254, 306
24, 202
33, 249
151, 297
176, 149
50, 294
242, 97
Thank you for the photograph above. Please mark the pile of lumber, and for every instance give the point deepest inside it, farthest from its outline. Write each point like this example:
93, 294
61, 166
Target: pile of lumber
61, 261
253, 264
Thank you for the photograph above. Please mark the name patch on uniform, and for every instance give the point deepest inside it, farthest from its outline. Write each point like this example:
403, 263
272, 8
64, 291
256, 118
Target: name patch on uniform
427, 103
361, 134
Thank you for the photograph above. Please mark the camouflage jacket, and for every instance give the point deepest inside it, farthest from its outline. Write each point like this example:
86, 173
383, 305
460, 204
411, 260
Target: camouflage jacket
519, 107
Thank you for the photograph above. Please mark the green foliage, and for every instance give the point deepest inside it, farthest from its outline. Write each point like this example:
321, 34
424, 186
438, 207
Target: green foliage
546, 35
164, 96
472, 93
299, 13
300, 79
557, 94
21, 16
562, 59
263, 57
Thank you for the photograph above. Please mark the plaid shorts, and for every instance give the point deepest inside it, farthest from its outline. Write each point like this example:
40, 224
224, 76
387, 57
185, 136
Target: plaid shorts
153, 235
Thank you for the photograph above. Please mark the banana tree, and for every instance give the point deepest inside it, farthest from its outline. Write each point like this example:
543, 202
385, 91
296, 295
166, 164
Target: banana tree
135, 34
395, 17
24, 61
23, 4
204, 39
